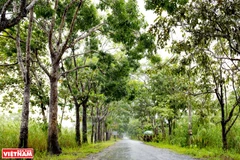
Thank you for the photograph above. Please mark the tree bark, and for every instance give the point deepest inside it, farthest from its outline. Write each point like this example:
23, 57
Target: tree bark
84, 121
95, 133
163, 130
53, 145
99, 131
77, 126
23, 138
92, 132
190, 124
223, 124
170, 127
43, 113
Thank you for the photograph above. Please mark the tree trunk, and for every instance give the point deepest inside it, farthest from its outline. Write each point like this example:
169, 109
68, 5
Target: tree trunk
170, 127
23, 137
95, 133
23, 143
84, 121
220, 97
53, 145
92, 133
163, 130
43, 113
223, 124
224, 136
77, 126
190, 124
99, 131
103, 130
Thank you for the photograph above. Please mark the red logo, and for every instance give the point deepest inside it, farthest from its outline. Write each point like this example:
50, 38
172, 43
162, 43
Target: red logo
14, 153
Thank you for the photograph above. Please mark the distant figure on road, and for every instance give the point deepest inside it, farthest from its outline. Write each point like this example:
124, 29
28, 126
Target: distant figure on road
147, 136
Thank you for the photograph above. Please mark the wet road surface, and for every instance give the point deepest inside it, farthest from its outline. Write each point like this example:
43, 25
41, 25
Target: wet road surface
127, 149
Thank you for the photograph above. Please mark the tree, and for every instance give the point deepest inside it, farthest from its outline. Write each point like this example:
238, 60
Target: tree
25, 70
209, 32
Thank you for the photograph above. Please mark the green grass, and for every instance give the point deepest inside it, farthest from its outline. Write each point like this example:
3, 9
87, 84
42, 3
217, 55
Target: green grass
37, 139
76, 152
204, 153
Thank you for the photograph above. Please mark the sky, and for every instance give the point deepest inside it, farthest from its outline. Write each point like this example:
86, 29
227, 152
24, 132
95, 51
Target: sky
149, 15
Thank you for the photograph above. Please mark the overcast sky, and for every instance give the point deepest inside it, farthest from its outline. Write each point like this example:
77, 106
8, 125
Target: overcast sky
149, 15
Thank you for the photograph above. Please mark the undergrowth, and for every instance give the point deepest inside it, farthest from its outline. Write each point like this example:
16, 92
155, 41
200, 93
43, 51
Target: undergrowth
37, 139
203, 153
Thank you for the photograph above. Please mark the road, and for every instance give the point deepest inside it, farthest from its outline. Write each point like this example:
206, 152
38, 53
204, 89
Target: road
127, 149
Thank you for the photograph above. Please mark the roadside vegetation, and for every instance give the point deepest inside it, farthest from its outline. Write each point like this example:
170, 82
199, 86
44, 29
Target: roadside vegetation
205, 141
207, 153
37, 140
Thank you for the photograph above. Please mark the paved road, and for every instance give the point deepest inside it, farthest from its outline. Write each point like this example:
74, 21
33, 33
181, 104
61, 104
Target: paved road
127, 149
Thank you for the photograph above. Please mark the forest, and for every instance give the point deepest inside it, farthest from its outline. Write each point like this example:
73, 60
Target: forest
99, 65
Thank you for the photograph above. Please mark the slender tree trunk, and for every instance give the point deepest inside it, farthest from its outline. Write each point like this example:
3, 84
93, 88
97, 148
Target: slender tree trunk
92, 133
170, 127
106, 131
95, 133
23, 143
23, 137
220, 97
84, 122
53, 145
77, 126
43, 113
190, 124
99, 131
103, 130
223, 124
163, 130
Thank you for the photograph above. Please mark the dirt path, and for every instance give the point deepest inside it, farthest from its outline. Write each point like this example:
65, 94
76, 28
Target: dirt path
127, 149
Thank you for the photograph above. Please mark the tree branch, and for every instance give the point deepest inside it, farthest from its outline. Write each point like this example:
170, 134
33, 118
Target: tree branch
23, 11
28, 41
19, 52
4, 9
85, 34
7, 65
229, 128
71, 70
31, 5
40, 64
201, 93
50, 35
64, 47
80, 54
63, 22
232, 111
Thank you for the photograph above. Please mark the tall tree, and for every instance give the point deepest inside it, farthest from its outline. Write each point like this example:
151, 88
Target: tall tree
59, 23
25, 70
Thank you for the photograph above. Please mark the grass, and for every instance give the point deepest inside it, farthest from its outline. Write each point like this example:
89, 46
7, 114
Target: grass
76, 152
9, 138
204, 153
